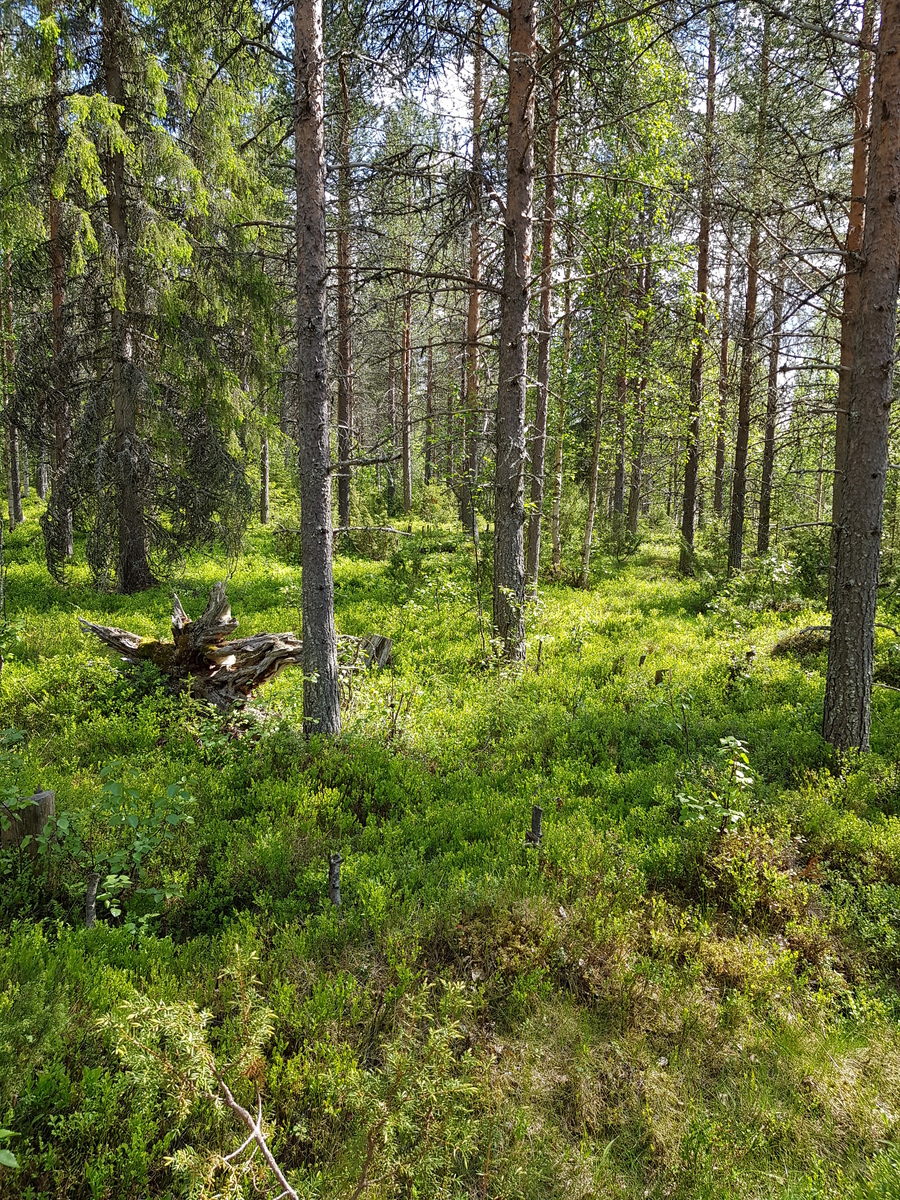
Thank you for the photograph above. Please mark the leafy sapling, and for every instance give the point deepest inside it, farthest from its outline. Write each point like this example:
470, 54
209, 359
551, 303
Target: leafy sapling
725, 786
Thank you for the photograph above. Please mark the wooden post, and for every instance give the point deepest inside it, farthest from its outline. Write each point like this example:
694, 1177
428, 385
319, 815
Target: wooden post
334, 879
534, 835
28, 822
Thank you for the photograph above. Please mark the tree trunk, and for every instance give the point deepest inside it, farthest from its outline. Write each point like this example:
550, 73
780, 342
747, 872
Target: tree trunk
851, 648
60, 541
264, 475
739, 479
133, 572
692, 462
429, 414
471, 422
321, 705
345, 343
593, 476
768, 461
391, 419
509, 486
722, 420
539, 440
640, 386
852, 269
561, 421
13, 472
405, 396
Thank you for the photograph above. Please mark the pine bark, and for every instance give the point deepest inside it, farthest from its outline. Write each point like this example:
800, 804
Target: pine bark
856, 223
13, 471
556, 541
722, 417
133, 571
539, 440
509, 486
406, 396
768, 460
692, 462
851, 649
344, 311
321, 705
473, 306
594, 473
60, 540
429, 415
748, 338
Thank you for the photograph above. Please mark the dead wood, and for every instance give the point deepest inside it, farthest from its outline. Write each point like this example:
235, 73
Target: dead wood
205, 660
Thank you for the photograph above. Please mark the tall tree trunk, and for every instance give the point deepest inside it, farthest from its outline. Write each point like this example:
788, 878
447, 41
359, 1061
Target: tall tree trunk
264, 472
556, 542
851, 649
133, 572
640, 387
13, 472
509, 484
745, 394
618, 494
692, 462
405, 395
391, 419
539, 440
429, 414
768, 460
321, 704
345, 342
594, 474
722, 418
471, 423
852, 269
60, 541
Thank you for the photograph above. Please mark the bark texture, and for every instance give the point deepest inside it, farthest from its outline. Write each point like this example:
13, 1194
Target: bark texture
539, 440
344, 313
851, 649
509, 487
722, 417
692, 461
321, 704
133, 572
594, 473
473, 307
853, 261
768, 460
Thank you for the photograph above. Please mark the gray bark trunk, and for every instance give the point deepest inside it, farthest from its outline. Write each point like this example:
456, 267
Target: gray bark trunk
321, 705
539, 440
692, 462
594, 475
768, 461
722, 417
471, 423
345, 341
509, 486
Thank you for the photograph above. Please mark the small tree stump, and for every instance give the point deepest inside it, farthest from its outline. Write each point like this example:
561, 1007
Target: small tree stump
29, 821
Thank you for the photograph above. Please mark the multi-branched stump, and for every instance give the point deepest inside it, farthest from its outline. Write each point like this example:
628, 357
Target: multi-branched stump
204, 659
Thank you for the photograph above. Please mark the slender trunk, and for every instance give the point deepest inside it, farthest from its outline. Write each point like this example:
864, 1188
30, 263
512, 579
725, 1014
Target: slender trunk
321, 704
768, 461
618, 492
851, 649
391, 420
133, 573
25, 469
820, 482
852, 270
640, 385
60, 540
593, 476
405, 396
561, 421
13, 473
264, 472
509, 485
692, 462
739, 479
429, 414
722, 420
539, 440
345, 343
470, 379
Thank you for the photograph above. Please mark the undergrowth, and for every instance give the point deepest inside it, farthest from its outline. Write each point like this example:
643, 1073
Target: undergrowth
689, 989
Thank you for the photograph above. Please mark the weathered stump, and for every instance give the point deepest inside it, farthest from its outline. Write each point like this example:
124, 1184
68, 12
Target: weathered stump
29, 821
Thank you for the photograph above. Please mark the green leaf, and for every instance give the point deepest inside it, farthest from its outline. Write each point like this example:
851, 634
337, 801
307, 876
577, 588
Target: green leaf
8, 1159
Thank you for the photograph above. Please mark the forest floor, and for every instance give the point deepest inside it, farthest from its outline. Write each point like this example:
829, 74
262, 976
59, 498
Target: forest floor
690, 989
